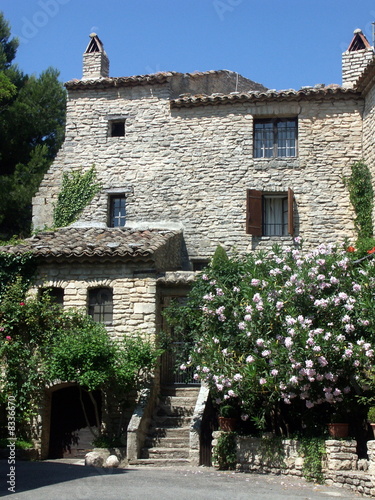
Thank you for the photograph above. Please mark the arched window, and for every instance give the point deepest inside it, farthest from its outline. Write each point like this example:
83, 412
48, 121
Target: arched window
101, 305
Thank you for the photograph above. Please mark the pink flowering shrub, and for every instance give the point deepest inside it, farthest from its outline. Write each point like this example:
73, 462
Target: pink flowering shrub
290, 333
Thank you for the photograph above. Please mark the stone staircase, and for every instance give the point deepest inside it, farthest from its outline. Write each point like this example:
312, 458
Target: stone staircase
167, 442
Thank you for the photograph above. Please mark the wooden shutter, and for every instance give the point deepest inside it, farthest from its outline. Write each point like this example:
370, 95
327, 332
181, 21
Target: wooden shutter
254, 212
290, 212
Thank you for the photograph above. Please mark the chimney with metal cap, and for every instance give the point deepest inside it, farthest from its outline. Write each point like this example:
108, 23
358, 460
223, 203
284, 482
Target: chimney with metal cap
95, 60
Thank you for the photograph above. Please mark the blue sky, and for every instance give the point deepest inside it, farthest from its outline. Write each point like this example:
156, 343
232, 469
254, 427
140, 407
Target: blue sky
280, 43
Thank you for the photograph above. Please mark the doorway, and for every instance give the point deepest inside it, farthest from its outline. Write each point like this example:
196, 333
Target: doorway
70, 435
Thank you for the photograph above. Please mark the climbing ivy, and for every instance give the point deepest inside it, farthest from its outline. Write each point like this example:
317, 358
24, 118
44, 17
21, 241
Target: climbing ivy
362, 198
313, 449
78, 189
225, 451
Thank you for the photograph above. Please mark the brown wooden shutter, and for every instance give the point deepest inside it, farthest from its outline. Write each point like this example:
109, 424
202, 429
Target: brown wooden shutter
290, 212
254, 212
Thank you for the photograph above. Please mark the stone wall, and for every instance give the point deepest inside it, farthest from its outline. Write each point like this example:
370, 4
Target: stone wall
353, 65
190, 167
341, 466
134, 297
369, 134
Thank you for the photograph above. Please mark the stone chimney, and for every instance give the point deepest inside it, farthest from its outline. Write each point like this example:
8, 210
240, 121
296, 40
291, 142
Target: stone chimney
356, 59
95, 60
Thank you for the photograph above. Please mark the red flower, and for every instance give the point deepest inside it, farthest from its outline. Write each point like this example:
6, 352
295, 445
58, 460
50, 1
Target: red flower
350, 249
22, 303
371, 251
8, 338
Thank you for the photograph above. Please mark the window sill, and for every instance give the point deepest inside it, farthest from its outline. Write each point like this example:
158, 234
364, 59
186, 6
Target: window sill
287, 162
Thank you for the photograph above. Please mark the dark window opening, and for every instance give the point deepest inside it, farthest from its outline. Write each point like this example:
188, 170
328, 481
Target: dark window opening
101, 305
117, 128
56, 294
199, 265
117, 211
276, 138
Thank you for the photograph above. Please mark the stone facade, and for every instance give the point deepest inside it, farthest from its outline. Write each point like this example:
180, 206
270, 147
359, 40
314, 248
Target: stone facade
183, 157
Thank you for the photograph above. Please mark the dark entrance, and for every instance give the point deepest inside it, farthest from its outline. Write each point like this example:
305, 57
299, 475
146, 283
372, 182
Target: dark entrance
171, 359
69, 434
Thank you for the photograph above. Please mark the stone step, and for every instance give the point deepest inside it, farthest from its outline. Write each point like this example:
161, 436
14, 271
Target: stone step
174, 410
165, 442
169, 421
184, 401
171, 453
182, 433
172, 390
161, 462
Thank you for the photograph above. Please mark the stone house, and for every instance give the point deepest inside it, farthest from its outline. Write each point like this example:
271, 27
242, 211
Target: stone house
187, 162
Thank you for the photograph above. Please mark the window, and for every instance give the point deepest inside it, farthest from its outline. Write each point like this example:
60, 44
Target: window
269, 214
117, 210
101, 305
56, 294
117, 128
275, 138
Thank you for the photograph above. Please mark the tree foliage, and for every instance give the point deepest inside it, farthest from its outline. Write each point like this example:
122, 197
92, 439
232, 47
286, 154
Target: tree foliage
32, 120
283, 336
40, 343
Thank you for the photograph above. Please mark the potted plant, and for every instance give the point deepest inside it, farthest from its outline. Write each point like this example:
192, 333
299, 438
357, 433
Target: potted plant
228, 418
371, 418
339, 427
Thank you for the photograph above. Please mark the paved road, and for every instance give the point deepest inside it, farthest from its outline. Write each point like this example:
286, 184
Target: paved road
58, 480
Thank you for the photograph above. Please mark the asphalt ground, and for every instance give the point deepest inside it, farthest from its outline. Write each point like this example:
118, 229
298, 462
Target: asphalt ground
70, 480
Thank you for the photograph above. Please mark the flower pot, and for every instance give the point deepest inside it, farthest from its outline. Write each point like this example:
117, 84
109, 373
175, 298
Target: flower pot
338, 430
227, 424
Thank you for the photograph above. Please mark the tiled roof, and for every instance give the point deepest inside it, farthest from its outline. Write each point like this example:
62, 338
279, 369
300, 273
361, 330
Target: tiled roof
309, 93
94, 243
122, 81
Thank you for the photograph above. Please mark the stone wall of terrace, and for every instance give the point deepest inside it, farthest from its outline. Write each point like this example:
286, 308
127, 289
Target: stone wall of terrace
340, 464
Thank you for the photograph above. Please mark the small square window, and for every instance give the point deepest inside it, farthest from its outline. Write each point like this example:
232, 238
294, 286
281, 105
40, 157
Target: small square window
117, 210
275, 138
117, 128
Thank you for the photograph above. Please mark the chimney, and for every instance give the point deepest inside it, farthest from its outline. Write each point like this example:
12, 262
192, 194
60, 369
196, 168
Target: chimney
95, 60
356, 59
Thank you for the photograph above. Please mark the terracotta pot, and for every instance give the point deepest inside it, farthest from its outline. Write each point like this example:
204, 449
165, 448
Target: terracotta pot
227, 424
338, 430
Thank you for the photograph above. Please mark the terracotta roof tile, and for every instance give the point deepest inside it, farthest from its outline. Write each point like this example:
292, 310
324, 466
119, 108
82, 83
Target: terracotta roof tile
310, 93
93, 243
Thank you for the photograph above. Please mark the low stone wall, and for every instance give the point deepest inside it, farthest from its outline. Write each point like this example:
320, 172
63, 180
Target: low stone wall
341, 466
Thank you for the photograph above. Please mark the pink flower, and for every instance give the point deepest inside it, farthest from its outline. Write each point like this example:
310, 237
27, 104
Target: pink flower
22, 303
8, 337
262, 381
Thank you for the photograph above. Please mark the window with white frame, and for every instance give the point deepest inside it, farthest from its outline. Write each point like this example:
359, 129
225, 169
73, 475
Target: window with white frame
117, 210
269, 214
275, 138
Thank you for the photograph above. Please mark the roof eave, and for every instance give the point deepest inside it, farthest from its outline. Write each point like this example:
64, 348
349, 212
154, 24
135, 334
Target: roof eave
254, 97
